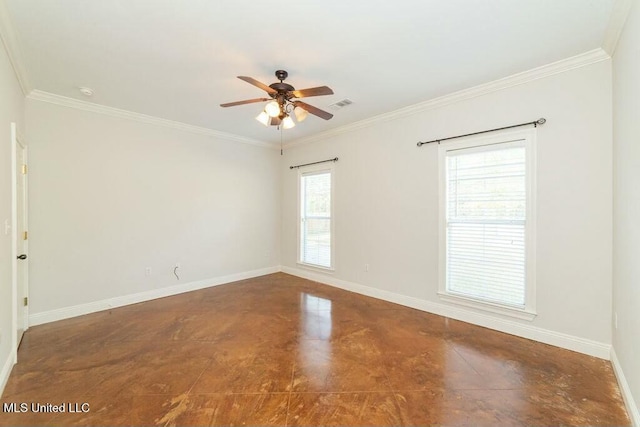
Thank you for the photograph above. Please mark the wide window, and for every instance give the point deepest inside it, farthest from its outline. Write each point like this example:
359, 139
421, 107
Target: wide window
487, 219
315, 227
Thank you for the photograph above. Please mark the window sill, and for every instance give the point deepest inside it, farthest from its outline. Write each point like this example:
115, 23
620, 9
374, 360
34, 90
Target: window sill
318, 268
524, 314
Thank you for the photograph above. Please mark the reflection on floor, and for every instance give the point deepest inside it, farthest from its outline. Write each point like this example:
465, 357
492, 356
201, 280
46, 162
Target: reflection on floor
280, 350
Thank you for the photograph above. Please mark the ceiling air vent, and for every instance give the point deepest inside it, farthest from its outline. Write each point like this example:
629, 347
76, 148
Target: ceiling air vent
341, 104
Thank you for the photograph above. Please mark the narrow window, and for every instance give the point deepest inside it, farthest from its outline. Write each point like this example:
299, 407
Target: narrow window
488, 224
315, 228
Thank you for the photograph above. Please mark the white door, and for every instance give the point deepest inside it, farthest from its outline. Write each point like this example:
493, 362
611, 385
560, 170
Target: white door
20, 235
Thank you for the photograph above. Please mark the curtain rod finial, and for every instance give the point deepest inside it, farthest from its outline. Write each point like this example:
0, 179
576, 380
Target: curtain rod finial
541, 121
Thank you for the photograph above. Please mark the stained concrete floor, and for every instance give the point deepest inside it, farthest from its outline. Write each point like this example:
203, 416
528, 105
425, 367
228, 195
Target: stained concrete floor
280, 350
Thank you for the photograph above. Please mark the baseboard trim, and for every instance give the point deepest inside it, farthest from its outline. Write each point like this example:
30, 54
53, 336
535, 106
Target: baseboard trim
92, 307
630, 403
6, 371
558, 339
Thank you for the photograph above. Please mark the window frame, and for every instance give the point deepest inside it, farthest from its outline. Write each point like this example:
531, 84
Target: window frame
481, 143
315, 170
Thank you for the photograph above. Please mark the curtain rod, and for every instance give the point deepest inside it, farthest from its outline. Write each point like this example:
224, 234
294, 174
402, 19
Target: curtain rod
335, 159
535, 123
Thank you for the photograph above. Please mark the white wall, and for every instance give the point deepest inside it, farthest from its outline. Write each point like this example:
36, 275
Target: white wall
626, 207
112, 196
11, 110
386, 203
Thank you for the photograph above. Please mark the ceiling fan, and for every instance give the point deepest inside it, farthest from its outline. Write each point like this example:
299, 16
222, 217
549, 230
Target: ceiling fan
283, 101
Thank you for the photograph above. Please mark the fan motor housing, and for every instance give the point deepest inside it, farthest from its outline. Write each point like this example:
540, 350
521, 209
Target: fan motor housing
282, 87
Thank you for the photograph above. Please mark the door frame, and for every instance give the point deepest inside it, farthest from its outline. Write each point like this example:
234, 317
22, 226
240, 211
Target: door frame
17, 142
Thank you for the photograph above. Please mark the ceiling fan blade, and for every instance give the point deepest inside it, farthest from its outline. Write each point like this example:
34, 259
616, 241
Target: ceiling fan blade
247, 101
312, 91
256, 83
275, 121
313, 110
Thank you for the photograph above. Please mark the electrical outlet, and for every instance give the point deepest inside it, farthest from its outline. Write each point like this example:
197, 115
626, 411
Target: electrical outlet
615, 320
366, 267
147, 271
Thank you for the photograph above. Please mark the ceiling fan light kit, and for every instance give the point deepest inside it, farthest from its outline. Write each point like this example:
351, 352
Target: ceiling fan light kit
272, 109
263, 118
300, 113
287, 123
284, 101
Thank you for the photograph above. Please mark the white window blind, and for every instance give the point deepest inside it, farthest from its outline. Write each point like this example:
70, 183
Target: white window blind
486, 196
315, 218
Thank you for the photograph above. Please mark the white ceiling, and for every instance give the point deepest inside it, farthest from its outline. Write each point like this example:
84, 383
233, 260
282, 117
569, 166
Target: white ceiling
179, 60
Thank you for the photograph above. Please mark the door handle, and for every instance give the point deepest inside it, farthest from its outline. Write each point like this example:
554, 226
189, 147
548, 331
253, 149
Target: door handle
23, 256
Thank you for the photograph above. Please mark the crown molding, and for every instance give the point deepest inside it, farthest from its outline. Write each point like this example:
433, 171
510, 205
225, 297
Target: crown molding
617, 19
64, 101
11, 45
557, 67
619, 14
